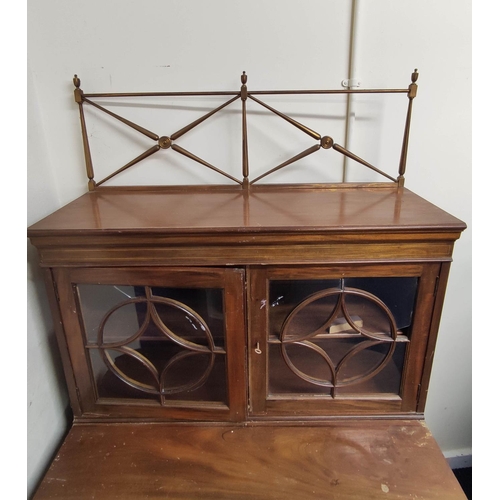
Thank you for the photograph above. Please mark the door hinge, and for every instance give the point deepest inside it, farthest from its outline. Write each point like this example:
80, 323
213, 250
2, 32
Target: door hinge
419, 389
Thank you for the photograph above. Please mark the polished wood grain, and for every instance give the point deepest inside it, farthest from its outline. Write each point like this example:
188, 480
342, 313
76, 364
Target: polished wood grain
266, 210
277, 250
349, 460
433, 332
285, 225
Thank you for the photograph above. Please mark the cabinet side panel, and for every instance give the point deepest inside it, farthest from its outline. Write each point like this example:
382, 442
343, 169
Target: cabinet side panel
434, 327
73, 335
412, 383
52, 295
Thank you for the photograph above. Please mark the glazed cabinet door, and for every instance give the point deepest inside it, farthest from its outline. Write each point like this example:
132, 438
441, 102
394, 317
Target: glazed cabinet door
339, 340
160, 343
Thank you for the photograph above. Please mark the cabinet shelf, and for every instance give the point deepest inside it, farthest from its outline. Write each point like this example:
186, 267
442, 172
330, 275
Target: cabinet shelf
274, 339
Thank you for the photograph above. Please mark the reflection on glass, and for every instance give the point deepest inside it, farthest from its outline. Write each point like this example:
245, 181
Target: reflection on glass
283, 381
155, 343
339, 336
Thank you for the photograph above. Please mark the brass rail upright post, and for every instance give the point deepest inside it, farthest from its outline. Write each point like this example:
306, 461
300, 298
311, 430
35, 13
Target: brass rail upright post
244, 95
86, 147
412, 93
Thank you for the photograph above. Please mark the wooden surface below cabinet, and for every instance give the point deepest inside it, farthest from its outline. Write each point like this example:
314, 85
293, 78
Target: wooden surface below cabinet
346, 461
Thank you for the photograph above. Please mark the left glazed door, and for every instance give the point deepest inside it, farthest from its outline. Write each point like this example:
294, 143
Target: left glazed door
160, 343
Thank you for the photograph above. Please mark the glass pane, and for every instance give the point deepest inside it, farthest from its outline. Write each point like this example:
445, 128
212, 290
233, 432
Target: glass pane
283, 381
349, 333
356, 372
110, 386
155, 343
97, 300
284, 296
397, 293
368, 316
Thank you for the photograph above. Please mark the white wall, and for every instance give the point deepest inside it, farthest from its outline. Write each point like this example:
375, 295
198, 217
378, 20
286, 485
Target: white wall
47, 394
199, 45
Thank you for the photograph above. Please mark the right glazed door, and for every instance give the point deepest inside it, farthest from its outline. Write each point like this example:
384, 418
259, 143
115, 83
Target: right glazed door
329, 340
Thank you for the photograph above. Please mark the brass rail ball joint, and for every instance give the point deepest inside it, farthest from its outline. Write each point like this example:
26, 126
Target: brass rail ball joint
326, 142
164, 142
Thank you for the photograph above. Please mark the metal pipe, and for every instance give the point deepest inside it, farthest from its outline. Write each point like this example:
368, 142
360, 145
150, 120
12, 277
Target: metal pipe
351, 71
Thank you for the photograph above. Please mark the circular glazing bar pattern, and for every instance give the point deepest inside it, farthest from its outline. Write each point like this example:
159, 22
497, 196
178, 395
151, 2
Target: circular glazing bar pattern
367, 339
159, 378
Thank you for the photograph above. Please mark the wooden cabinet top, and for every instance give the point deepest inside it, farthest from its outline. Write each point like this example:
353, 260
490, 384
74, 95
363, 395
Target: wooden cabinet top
289, 209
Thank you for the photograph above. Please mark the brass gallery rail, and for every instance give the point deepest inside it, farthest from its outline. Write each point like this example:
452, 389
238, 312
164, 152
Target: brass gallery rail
168, 142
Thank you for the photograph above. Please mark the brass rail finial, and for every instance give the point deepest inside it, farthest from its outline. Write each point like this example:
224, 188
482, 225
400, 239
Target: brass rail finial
78, 91
412, 88
244, 90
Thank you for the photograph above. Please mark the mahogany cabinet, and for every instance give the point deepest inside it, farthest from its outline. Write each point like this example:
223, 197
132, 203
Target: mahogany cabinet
297, 311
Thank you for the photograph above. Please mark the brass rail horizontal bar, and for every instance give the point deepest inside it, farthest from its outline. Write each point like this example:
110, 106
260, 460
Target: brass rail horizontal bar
255, 92
162, 94
337, 91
